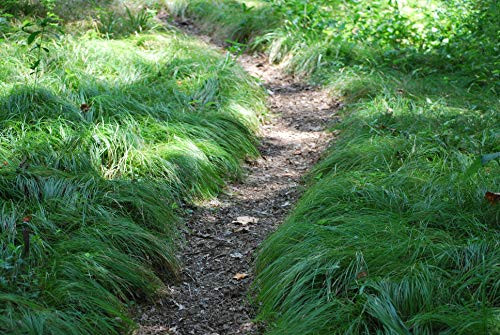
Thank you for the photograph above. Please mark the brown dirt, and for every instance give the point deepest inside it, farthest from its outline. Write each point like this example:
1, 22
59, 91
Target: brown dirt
208, 300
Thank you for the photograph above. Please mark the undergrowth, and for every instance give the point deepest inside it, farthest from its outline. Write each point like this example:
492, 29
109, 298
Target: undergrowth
394, 235
99, 153
227, 20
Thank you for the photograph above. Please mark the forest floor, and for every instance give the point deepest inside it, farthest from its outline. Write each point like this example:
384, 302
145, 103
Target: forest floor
223, 235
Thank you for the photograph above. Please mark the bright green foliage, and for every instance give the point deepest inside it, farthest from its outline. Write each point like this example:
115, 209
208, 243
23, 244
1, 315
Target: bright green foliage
392, 236
227, 20
98, 155
110, 18
419, 37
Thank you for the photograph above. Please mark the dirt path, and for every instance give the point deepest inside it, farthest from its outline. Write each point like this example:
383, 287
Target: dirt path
220, 244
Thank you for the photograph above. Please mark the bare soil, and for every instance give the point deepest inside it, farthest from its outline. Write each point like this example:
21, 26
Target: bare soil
223, 235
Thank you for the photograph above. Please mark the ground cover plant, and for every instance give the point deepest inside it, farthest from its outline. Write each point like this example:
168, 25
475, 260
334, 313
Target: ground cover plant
397, 233
227, 21
99, 151
394, 235
104, 142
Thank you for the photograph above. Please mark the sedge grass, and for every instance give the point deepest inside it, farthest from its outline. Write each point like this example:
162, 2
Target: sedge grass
98, 155
227, 20
393, 236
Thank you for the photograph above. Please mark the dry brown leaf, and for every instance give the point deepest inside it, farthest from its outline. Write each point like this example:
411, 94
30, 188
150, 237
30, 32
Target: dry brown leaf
84, 107
240, 276
244, 220
361, 275
492, 197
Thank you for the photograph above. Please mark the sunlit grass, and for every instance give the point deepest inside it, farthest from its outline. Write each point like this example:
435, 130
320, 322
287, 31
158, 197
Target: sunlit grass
393, 236
98, 155
233, 20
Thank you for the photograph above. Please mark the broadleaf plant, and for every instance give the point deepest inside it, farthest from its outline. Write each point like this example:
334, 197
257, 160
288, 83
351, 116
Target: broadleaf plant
40, 33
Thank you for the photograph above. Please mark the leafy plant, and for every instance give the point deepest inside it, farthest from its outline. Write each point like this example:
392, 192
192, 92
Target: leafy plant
482, 161
40, 33
236, 48
139, 21
107, 23
113, 24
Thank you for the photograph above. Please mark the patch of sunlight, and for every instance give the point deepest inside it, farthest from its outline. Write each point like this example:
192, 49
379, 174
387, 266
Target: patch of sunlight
245, 112
253, 3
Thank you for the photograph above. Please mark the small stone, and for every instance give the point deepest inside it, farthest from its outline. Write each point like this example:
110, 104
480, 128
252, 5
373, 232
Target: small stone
236, 255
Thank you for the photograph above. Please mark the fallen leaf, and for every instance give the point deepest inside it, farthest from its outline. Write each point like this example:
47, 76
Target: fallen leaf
240, 276
361, 275
27, 219
492, 197
244, 220
84, 108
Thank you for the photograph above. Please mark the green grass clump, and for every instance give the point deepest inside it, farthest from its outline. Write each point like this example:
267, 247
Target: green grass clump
418, 37
227, 20
393, 236
98, 151
313, 37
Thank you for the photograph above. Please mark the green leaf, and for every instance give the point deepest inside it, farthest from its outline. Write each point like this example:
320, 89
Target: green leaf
45, 22
32, 36
35, 64
473, 168
37, 46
